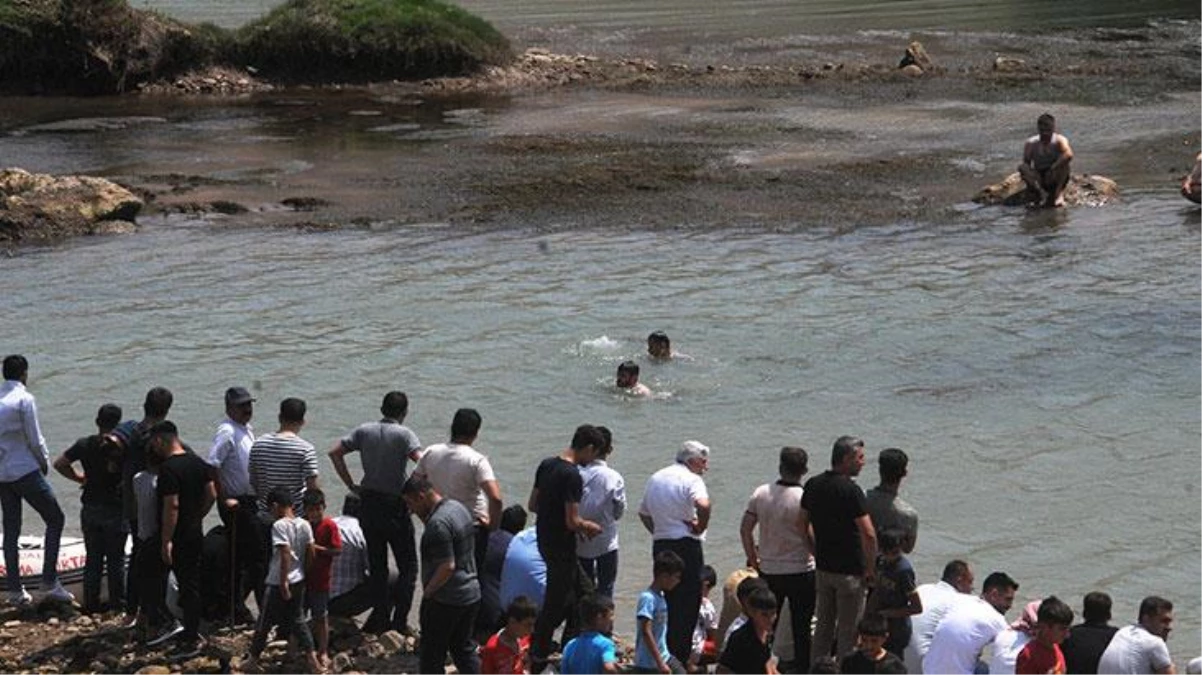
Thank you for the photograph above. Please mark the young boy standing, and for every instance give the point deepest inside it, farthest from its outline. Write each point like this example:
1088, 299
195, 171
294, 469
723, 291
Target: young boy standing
870, 655
895, 595
651, 640
327, 544
705, 634
1043, 655
291, 538
505, 653
593, 651
749, 649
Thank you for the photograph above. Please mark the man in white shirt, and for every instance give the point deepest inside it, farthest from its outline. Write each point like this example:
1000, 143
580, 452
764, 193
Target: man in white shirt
782, 556
24, 461
604, 503
937, 600
236, 503
1141, 648
676, 511
969, 626
459, 472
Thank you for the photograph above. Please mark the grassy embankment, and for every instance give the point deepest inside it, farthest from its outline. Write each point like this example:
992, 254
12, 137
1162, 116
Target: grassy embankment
106, 46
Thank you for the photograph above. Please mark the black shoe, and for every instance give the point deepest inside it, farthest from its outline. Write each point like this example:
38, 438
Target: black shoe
187, 649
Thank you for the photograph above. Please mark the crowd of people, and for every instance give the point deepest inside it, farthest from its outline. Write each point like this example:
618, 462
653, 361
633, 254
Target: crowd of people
494, 592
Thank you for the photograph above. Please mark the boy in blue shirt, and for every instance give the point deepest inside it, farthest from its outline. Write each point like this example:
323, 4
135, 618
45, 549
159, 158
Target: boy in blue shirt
895, 596
651, 639
593, 650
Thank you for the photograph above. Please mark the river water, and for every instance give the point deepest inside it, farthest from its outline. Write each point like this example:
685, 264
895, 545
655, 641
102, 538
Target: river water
1042, 370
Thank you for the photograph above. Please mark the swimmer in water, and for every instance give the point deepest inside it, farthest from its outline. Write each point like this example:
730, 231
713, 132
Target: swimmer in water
1045, 166
628, 379
659, 346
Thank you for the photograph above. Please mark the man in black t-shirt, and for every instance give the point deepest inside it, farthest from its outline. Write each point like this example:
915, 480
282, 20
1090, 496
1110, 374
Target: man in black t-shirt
101, 518
556, 501
186, 493
1087, 641
844, 546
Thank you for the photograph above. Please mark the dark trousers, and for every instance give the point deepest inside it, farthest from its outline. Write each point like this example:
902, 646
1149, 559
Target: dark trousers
798, 589
900, 631
247, 563
684, 601
287, 614
185, 554
448, 628
104, 534
602, 571
386, 525
150, 577
481, 546
32, 488
566, 586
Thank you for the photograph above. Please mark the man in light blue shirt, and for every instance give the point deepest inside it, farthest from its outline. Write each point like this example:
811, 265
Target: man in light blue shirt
24, 461
603, 502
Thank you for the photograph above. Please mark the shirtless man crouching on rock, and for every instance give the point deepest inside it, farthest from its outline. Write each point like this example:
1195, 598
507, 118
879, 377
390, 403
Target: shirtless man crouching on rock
1045, 167
1191, 185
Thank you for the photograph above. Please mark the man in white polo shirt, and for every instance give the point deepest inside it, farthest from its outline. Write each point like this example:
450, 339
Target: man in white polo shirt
970, 625
676, 511
937, 599
1141, 648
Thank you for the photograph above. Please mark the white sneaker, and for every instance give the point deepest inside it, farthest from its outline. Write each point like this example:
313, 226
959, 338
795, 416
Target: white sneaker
169, 633
57, 592
21, 598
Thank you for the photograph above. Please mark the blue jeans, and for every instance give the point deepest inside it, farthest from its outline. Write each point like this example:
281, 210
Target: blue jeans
33, 488
104, 532
603, 570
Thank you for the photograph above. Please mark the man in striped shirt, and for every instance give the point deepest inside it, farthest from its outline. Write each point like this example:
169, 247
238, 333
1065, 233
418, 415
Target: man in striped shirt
283, 458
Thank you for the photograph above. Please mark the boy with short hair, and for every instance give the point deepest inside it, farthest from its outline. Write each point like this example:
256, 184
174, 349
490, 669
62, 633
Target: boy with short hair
895, 595
705, 634
870, 655
1042, 654
593, 651
284, 596
327, 544
749, 649
651, 639
743, 591
506, 651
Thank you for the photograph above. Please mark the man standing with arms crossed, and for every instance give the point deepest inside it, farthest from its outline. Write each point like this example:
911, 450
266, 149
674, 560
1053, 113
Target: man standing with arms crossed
844, 546
236, 502
386, 448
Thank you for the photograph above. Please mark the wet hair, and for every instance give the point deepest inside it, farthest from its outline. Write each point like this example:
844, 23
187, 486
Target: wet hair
893, 463
586, 435
292, 410
889, 540
667, 562
1055, 611
608, 437
1046, 118
793, 461
999, 581
1154, 605
351, 505
314, 497
513, 519
15, 367
844, 446
108, 416
466, 424
521, 608
825, 664
395, 405
1096, 607
628, 368
954, 570
158, 402
709, 576
659, 337
761, 600
279, 495
417, 484
748, 586
593, 606
873, 625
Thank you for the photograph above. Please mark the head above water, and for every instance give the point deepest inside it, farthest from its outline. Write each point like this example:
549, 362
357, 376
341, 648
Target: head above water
847, 456
659, 346
628, 374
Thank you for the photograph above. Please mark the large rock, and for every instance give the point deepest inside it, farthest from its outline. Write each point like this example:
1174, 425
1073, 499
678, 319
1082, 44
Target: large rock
1082, 190
41, 207
916, 55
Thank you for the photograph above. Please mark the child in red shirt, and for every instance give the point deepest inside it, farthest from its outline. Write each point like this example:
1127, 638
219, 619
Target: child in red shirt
1043, 655
327, 543
507, 651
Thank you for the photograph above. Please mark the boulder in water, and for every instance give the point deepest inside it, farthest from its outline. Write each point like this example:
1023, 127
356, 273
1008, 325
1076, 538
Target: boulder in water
916, 55
42, 207
1082, 190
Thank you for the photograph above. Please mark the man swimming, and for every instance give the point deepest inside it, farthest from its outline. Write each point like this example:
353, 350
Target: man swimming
628, 379
1045, 167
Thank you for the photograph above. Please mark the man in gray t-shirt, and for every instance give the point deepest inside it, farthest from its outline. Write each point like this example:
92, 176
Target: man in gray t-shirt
450, 588
385, 448
888, 511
